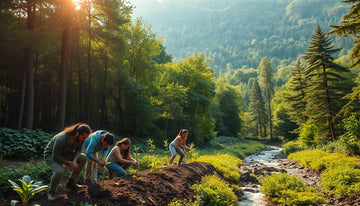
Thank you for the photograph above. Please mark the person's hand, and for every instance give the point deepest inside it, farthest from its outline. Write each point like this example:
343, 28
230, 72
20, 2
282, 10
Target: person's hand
187, 149
136, 163
101, 163
73, 166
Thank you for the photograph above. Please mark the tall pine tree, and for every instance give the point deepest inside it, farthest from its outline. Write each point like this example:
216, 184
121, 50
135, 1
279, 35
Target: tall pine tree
267, 86
296, 96
258, 117
350, 25
322, 77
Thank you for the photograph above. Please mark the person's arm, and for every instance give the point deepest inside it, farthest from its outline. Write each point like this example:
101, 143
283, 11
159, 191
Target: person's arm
136, 163
183, 145
119, 157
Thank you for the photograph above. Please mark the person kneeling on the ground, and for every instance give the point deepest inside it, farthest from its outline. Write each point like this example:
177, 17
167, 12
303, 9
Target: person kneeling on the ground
97, 141
176, 145
65, 149
120, 159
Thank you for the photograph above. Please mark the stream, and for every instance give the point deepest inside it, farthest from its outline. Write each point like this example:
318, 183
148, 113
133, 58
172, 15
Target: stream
268, 160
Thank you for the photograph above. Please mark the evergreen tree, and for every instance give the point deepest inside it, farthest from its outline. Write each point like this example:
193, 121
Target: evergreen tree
350, 25
296, 96
267, 86
258, 116
322, 77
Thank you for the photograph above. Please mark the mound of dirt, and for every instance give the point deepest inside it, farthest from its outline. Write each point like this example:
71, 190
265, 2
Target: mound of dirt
142, 188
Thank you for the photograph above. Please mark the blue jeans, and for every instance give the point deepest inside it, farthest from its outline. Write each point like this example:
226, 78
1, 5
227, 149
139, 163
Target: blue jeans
117, 168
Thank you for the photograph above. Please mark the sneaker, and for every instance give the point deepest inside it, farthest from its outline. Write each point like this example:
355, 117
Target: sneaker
51, 196
71, 185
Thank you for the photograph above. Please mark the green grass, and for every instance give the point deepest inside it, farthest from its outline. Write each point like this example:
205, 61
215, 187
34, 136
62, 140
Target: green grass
341, 173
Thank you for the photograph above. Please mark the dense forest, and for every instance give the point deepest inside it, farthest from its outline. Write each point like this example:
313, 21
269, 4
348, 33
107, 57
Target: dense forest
241, 32
281, 75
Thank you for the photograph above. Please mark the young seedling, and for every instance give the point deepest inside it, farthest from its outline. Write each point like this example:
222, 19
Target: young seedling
28, 190
193, 154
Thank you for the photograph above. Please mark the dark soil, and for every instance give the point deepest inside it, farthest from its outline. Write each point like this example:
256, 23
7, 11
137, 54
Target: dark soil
142, 188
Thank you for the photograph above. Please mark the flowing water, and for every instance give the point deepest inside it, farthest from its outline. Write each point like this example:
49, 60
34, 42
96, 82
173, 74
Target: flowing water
269, 157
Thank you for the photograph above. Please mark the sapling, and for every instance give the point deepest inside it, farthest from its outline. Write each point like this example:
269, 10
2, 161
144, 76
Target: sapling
192, 153
28, 190
154, 158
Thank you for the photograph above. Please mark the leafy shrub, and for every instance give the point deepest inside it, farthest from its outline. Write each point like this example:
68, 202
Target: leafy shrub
24, 144
319, 160
342, 181
213, 191
349, 142
291, 197
308, 135
225, 164
176, 202
40, 172
289, 190
291, 147
147, 161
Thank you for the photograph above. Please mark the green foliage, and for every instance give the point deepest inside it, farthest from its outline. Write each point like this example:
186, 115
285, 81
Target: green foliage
234, 146
283, 127
349, 26
309, 135
291, 147
295, 99
341, 172
229, 101
39, 171
225, 164
289, 190
349, 142
147, 161
176, 202
342, 181
24, 144
319, 160
28, 189
193, 153
212, 191
324, 78
257, 112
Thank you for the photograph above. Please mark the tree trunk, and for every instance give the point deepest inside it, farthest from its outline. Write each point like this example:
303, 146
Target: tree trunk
65, 51
27, 84
89, 64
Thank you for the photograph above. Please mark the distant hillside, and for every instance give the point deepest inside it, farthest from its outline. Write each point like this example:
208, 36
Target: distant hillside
240, 32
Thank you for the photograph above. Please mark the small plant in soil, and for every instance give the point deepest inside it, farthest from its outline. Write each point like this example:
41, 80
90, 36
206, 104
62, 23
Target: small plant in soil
193, 154
28, 189
155, 160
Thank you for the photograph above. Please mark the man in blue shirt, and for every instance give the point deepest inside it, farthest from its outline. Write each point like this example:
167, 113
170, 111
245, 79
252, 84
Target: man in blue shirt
96, 142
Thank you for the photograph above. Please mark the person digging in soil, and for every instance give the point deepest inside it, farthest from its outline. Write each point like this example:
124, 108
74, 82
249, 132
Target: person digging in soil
119, 158
176, 145
64, 150
97, 141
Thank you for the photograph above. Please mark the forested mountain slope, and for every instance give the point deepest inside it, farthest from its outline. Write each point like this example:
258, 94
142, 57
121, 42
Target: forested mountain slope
240, 32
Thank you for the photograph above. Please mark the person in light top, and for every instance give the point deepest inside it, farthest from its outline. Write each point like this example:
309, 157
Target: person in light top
177, 145
119, 158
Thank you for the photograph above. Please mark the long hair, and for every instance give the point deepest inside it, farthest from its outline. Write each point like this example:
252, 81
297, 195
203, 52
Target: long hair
125, 141
79, 127
182, 131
